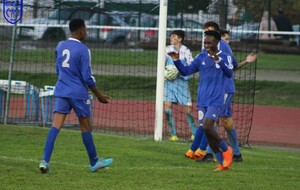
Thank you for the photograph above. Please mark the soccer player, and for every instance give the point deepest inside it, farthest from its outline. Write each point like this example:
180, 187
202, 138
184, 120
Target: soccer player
213, 65
226, 115
225, 35
177, 90
73, 66
198, 147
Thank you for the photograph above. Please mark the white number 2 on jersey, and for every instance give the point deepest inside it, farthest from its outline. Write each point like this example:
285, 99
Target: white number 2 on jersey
65, 63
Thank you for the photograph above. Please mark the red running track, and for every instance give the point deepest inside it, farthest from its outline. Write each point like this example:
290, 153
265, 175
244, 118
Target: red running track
276, 126
271, 125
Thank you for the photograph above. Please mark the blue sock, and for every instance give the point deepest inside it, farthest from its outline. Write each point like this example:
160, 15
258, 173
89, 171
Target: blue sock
203, 143
219, 157
191, 122
171, 123
223, 146
197, 139
50, 143
88, 142
209, 150
233, 140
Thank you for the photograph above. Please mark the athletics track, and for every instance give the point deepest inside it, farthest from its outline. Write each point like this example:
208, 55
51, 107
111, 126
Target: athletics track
274, 125
271, 125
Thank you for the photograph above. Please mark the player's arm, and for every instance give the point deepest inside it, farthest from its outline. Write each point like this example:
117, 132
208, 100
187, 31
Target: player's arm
225, 62
188, 58
184, 70
226, 65
86, 72
56, 67
250, 58
101, 97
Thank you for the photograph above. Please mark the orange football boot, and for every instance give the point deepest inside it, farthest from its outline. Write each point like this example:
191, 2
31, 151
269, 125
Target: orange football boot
227, 157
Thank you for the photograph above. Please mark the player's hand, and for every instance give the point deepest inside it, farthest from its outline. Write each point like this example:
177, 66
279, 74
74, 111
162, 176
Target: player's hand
213, 55
251, 58
174, 55
104, 99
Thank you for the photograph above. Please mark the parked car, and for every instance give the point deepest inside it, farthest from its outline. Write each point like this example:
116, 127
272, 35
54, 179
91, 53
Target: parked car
97, 22
106, 32
137, 19
48, 28
246, 31
249, 31
147, 36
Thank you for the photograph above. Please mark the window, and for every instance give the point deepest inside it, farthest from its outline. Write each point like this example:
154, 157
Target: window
60, 14
99, 19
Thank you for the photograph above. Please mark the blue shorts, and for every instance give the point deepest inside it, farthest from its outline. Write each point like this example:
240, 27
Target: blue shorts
211, 112
226, 109
82, 108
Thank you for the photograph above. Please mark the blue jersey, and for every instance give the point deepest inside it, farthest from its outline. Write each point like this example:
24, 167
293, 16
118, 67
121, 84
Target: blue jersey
228, 82
73, 67
211, 86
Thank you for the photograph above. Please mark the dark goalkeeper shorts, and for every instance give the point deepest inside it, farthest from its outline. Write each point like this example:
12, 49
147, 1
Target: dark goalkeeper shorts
82, 108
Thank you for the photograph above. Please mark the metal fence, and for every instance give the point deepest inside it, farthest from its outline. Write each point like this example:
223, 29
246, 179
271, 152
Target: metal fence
123, 40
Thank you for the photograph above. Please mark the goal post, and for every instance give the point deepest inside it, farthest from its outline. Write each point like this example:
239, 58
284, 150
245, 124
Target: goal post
163, 12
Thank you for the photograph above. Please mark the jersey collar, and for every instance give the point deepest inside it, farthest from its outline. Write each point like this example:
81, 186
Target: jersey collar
74, 39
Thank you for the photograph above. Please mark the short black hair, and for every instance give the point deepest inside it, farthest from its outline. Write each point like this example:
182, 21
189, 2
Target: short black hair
223, 32
214, 33
212, 24
179, 33
76, 24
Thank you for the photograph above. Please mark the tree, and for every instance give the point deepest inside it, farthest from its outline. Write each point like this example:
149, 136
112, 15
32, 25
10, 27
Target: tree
254, 7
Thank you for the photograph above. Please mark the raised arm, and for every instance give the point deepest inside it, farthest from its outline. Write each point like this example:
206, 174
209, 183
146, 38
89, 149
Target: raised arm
185, 70
226, 66
225, 62
250, 58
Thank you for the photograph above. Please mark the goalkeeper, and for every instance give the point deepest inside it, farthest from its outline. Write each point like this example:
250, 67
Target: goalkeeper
176, 88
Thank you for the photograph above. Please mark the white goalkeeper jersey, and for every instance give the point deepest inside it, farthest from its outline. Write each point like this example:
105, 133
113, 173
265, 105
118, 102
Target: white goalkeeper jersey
177, 90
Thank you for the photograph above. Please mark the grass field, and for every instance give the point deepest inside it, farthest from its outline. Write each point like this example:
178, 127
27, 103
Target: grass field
143, 88
139, 163
266, 61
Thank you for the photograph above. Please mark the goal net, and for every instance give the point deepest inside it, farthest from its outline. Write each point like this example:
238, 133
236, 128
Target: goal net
123, 39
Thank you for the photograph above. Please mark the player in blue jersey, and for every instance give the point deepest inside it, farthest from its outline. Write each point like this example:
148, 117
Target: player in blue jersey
226, 115
73, 67
177, 89
198, 147
250, 57
213, 65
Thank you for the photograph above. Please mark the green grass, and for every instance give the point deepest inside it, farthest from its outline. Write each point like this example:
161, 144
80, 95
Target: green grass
139, 163
277, 93
144, 88
148, 58
278, 62
99, 56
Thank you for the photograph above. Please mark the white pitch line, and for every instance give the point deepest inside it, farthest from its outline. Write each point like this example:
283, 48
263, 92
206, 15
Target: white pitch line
196, 167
